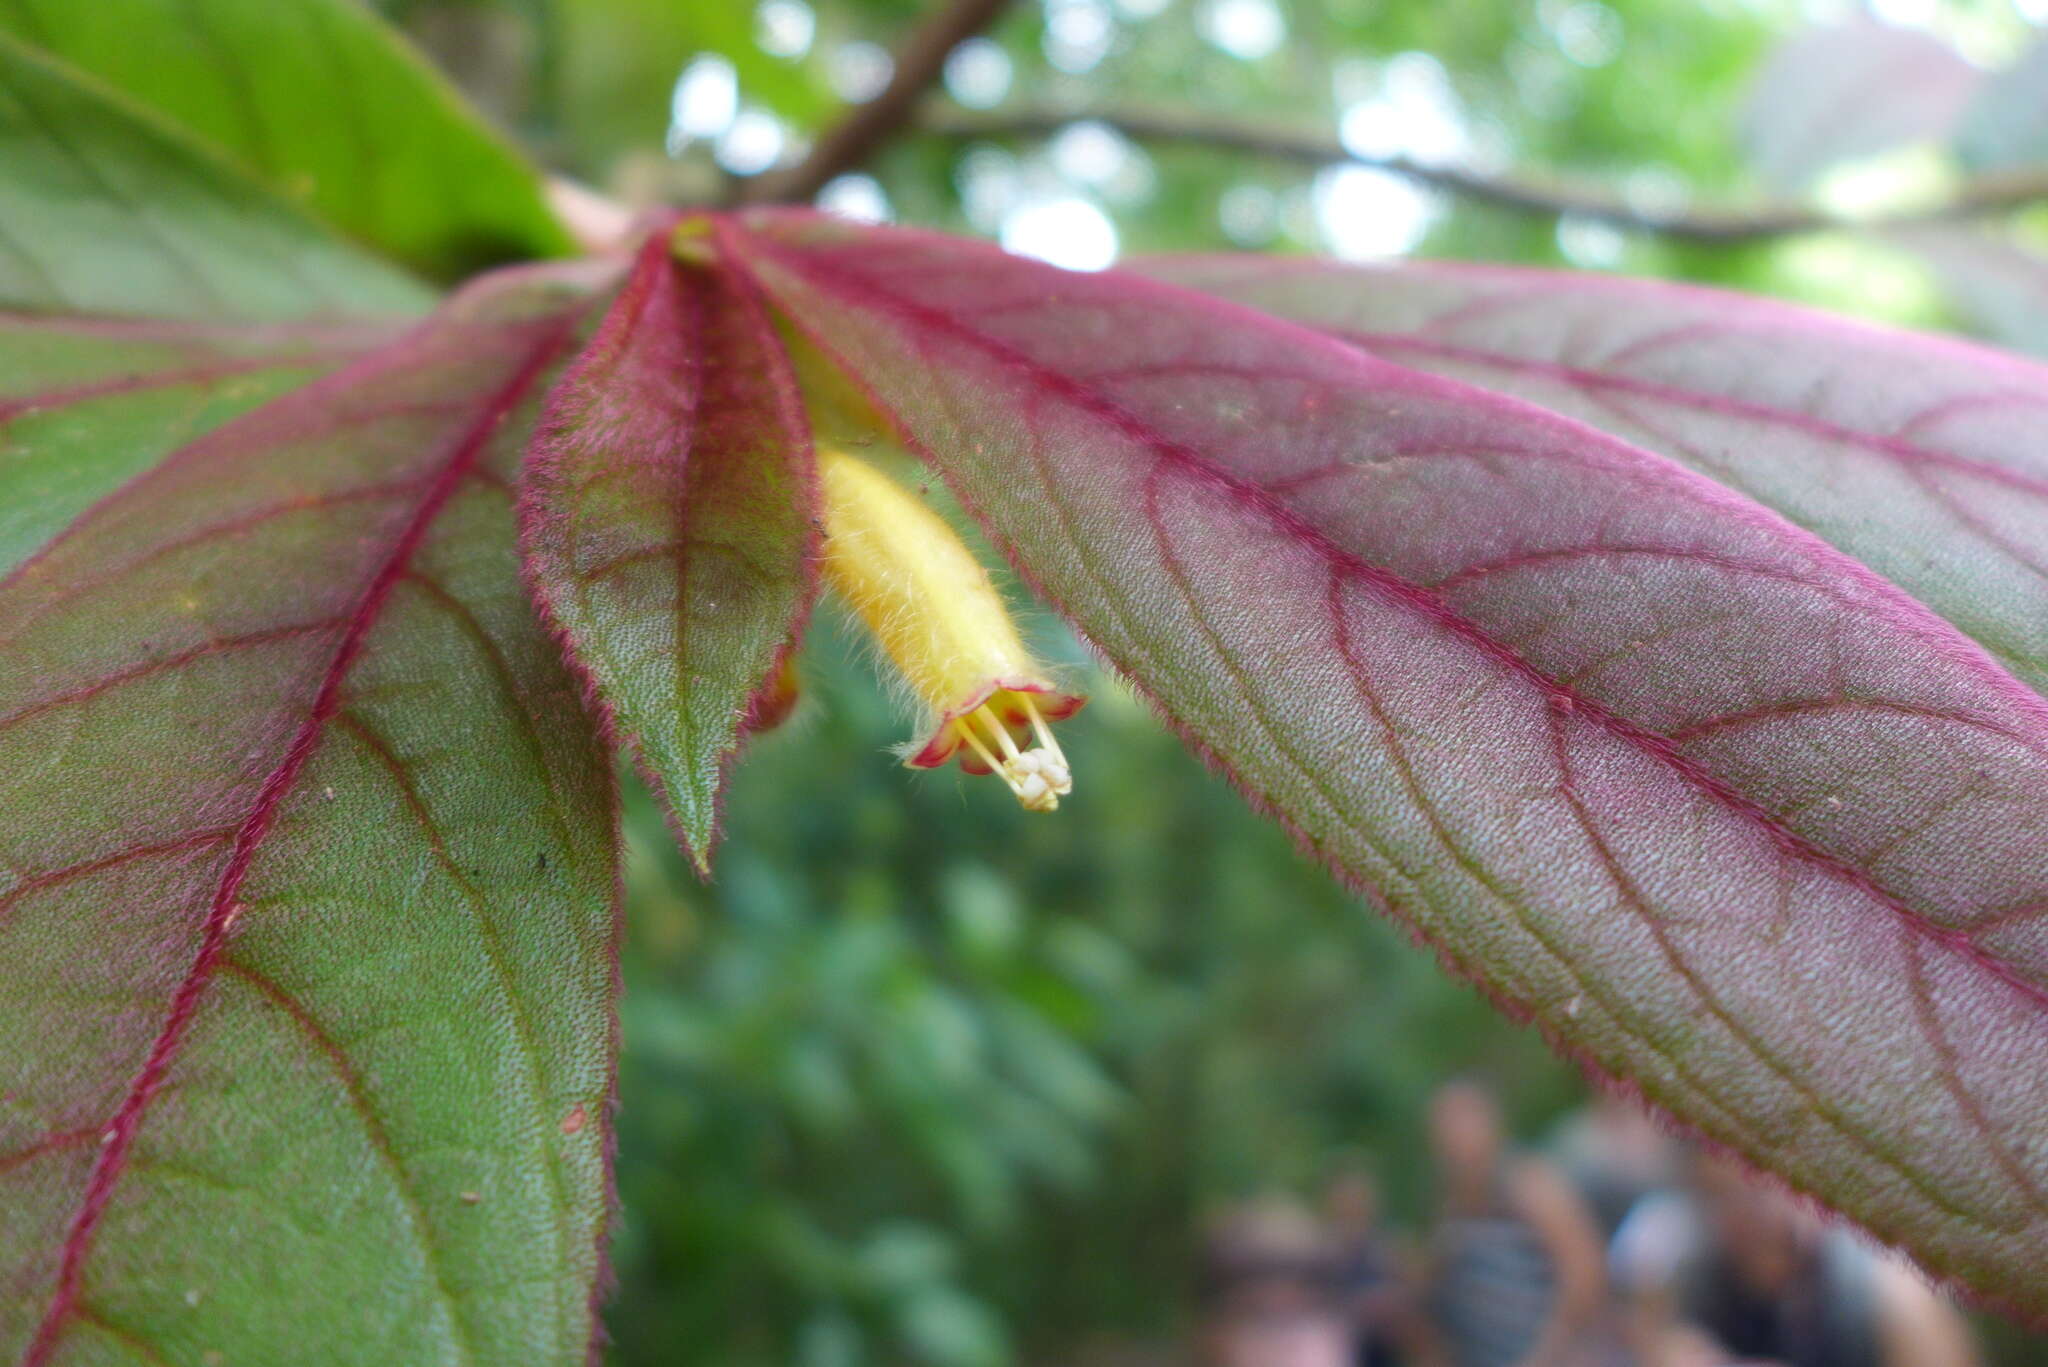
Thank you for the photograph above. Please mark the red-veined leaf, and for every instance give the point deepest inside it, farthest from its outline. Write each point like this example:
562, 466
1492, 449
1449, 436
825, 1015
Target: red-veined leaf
1729, 815
87, 403
1852, 90
306, 1031
1920, 456
668, 522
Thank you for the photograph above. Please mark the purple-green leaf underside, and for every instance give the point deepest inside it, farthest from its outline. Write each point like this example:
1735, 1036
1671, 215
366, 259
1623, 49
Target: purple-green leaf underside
668, 513
1731, 816
306, 886
1920, 456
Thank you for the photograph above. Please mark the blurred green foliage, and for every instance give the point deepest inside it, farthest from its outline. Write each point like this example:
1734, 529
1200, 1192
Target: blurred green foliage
922, 1078
927, 1073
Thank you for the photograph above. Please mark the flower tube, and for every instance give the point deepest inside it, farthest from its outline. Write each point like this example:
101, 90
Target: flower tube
940, 621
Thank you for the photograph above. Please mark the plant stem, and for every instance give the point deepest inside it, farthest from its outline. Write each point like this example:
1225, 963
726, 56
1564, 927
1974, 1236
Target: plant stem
919, 62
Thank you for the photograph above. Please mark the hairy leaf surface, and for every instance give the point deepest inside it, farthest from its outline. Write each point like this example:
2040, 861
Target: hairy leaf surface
668, 522
104, 209
1845, 91
324, 102
305, 889
1920, 456
1730, 815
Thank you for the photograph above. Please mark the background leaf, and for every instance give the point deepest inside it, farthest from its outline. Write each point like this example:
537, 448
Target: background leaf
105, 210
308, 862
2006, 125
668, 517
1995, 275
1725, 813
1920, 456
1846, 91
328, 105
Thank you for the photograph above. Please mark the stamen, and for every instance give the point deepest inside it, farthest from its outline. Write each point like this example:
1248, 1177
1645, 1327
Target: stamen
1035, 778
1052, 760
1040, 729
974, 742
997, 730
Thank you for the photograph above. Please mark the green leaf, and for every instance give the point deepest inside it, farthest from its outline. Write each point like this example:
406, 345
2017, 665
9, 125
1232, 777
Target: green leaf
306, 1038
103, 209
321, 99
669, 523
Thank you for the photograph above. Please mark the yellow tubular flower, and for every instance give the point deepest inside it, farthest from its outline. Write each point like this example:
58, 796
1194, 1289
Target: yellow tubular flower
938, 618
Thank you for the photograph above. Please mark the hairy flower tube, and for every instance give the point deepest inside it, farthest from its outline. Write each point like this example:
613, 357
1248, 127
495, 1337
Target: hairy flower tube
937, 617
